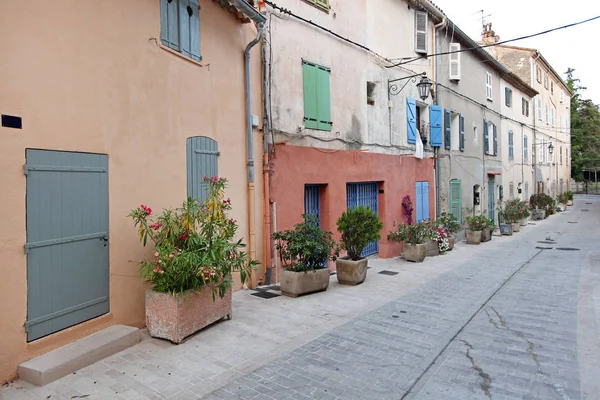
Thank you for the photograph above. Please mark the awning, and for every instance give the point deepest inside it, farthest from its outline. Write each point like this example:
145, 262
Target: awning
242, 10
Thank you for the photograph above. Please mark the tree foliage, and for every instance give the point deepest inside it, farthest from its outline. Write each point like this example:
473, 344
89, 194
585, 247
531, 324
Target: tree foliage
585, 130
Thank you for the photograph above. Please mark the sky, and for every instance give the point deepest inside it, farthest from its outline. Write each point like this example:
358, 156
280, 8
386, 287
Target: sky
573, 47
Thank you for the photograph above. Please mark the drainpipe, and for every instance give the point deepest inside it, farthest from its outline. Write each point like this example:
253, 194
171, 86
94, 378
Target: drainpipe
522, 160
266, 170
251, 228
436, 163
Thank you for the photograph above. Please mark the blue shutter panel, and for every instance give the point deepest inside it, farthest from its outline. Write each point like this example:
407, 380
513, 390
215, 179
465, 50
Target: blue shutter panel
195, 31
202, 160
447, 132
184, 27
425, 200
435, 124
418, 202
495, 140
411, 119
461, 128
511, 154
169, 24
486, 138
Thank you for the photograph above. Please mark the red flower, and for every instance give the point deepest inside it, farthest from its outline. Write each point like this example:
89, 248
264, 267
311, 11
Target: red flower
183, 237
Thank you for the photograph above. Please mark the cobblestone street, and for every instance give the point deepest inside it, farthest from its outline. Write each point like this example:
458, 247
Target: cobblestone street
510, 319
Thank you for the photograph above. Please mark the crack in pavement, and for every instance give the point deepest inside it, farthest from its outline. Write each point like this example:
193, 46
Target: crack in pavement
486, 384
491, 319
531, 350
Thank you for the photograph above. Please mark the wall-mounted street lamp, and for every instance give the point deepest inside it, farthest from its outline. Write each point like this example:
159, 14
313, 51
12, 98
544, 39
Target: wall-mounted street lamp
423, 86
550, 148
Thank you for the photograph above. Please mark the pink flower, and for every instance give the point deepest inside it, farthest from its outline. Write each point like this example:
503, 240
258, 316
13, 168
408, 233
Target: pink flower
170, 255
158, 270
156, 254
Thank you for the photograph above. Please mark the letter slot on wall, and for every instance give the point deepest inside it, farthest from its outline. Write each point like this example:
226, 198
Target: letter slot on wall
475, 196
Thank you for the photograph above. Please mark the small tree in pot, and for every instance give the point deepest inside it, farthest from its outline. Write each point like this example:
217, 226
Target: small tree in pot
414, 239
475, 225
486, 232
359, 226
305, 251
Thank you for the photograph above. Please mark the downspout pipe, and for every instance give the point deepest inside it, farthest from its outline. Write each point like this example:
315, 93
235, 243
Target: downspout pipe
250, 150
436, 73
266, 167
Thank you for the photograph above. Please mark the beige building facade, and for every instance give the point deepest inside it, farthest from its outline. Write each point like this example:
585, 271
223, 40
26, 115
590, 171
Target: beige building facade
115, 92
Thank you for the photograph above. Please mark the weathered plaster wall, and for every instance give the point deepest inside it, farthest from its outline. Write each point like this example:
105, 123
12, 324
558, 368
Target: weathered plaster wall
90, 77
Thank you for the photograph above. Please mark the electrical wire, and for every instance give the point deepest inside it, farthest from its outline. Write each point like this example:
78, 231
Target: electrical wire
412, 59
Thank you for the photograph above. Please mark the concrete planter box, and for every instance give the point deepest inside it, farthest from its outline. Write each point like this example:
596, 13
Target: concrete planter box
506, 229
523, 222
516, 227
415, 252
351, 272
486, 235
473, 237
294, 284
538, 215
451, 242
174, 317
433, 249
563, 207
570, 202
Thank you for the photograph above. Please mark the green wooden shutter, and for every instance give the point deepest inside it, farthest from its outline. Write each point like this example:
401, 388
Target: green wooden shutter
169, 23
322, 3
447, 131
309, 77
495, 140
202, 160
195, 31
461, 127
323, 99
456, 199
486, 137
511, 154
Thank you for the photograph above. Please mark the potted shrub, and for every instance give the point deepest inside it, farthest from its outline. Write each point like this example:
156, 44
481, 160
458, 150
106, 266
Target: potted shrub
569, 198
563, 199
305, 251
413, 237
359, 226
190, 269
524, 213
475, 225
432, 238
512, 214
537, 203
449, 222
486, 232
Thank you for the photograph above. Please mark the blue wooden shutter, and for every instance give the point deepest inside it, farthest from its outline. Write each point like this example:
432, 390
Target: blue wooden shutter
447, 132
425, 200
323, 99
195, 31
525, 150
495, 140
169, 24
507, 96
419, 201
309, 77
456, 199
486, 137
511, 154
461, 127
435, 124
202, 160
411, 119
184, 27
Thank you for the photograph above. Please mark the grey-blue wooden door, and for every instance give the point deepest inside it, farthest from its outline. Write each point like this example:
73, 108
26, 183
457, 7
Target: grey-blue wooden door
67, 240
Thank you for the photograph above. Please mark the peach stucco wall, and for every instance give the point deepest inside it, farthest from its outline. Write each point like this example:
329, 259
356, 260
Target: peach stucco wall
90, 76
295, 166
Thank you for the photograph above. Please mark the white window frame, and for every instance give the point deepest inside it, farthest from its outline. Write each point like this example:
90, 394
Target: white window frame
553, 113
454, 60
562, 95
539, 101
488, 86
547, 115
421, 32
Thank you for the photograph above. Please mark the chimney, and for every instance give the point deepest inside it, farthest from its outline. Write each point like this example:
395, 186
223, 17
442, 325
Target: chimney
488, 36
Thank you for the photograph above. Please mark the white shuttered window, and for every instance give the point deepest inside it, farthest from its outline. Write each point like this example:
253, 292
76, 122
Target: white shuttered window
454, 59
421, 32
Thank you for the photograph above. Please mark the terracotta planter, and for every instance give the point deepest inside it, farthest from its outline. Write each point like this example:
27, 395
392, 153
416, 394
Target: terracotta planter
516, 227
351, 272
538, 214
486, 235
415, 252
433, 249
523, 222
294, 284
473, 237
506, 229
451, 242
174, 317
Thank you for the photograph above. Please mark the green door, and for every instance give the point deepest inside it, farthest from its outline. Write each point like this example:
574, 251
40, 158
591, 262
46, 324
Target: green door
67, 240
491, 198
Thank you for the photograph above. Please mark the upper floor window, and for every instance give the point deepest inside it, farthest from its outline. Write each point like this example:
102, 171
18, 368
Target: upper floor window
547, 115
546, 80
539, 108
562, 95
525, 150
538, 73
317, 100
180, 26
551, 87
525, 107
454, 59
421, 18
322, 4
508, 96
552, 119
488, 85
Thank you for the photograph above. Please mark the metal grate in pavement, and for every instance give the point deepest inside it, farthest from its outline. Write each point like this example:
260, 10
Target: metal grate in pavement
265, 295
386, 272
567, 248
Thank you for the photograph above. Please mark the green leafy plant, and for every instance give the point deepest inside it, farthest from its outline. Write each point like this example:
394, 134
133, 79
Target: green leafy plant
359, 226
514, 210
477, 222
306, 247
569, 195
412, 234
195, 244
449, 222
563, 198
541, 201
